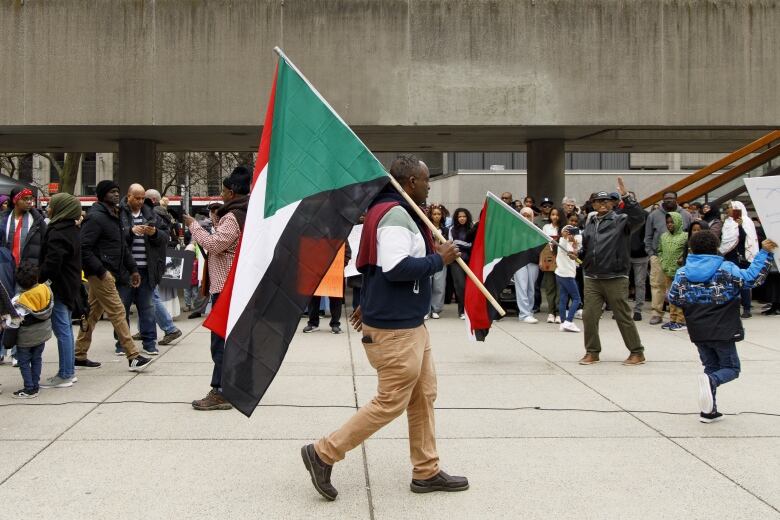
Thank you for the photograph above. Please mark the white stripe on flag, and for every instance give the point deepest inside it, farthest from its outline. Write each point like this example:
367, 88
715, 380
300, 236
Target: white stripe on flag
258, 244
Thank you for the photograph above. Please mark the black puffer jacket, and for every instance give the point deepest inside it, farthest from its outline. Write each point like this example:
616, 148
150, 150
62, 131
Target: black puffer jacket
31, 249
606, 241
155, 244
104, 245
61, 261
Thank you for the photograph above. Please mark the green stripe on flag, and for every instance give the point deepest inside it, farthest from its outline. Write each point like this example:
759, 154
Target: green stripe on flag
507, 233
312, 150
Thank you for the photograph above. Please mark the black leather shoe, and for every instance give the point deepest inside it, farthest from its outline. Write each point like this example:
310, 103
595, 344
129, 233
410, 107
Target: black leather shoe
637, 316
319, 471
440, 482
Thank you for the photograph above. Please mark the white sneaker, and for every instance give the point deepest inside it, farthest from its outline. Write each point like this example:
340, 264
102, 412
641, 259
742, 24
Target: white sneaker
529, 319
578, 314
426, 316
435, 315
557, 319
462, 316
569, 327
550, 318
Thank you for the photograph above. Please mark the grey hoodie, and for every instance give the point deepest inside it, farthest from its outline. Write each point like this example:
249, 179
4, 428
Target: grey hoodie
655, 226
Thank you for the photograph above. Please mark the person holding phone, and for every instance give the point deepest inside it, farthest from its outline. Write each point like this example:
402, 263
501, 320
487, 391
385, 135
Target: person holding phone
147, 239
566, 273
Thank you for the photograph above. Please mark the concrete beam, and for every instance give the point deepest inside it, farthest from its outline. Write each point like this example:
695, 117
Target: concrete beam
395, 65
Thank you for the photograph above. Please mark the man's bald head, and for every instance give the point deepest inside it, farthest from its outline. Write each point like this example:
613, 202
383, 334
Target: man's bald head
135, 196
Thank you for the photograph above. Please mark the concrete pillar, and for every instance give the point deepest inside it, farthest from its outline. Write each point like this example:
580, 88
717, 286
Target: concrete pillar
546, 169
137, 160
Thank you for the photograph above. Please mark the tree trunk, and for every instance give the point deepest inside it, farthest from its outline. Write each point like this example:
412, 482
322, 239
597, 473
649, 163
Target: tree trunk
247, 159
70, 171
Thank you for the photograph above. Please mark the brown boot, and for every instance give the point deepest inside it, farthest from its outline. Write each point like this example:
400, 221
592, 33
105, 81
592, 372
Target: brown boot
636, 358
589, 358
212, 401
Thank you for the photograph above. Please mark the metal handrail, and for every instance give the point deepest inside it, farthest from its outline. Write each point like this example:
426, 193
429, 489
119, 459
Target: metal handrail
712, 168
730, 175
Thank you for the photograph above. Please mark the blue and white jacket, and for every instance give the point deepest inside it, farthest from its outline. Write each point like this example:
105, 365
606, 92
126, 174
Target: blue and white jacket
707, 288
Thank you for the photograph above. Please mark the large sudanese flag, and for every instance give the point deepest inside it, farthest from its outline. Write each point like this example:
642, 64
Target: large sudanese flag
505, 242
313, 179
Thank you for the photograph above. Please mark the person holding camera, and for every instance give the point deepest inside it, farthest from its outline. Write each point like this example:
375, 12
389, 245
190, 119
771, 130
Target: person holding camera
147, 238
566, 273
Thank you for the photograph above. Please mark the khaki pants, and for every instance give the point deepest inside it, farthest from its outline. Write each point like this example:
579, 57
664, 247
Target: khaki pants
614, 291
657, 286
104, 297
407, 382
675, 313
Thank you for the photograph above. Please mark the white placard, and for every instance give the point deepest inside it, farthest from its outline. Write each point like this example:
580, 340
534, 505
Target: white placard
765, 194
354, 245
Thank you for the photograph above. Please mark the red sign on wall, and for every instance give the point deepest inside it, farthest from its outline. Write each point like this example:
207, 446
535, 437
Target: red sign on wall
54, 187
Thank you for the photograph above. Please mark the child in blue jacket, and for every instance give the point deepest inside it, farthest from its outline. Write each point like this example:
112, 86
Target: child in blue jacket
708, 289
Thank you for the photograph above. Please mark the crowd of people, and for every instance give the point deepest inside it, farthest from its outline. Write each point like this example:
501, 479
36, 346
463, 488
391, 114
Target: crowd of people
67, 266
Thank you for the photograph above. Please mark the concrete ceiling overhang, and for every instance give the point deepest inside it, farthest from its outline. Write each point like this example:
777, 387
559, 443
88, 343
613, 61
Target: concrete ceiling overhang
387, 138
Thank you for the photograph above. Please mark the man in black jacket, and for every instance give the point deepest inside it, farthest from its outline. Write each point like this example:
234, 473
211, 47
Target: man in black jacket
21, 231
605, 254
107, 262
147, 240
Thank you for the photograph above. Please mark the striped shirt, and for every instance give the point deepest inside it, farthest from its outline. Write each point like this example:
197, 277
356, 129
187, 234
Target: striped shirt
139, 244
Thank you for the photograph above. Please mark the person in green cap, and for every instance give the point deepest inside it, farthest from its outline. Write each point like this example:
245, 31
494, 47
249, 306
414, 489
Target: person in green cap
60, 263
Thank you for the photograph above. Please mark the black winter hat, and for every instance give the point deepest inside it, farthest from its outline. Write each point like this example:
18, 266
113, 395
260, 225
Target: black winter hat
239, 180
103, 187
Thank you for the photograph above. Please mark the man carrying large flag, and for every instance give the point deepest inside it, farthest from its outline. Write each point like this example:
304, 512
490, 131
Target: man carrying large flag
397, 258
505, 242
313, 179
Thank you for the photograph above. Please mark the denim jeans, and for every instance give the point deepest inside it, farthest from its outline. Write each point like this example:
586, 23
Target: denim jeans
567, 287
438, 286
746, 295
217, 353
721, 363
142, 297
63, 331
161, 316
191, 296
30, 363
525, 280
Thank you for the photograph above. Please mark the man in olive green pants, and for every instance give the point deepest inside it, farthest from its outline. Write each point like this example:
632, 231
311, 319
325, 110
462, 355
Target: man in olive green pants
606, 262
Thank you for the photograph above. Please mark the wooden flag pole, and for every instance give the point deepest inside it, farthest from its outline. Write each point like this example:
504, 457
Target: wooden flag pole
440, 238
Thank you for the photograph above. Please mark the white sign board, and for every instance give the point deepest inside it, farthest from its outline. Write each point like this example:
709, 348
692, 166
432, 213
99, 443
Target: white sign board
354, 245
765, 194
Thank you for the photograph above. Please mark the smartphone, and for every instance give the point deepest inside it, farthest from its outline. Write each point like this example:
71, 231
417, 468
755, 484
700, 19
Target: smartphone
736, 214
573, 231
150, 223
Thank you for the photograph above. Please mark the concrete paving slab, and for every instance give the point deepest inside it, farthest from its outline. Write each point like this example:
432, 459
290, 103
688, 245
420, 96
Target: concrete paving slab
558, 478
753, 463
16, 454
295, 390
180, 421
31, 422
180, 479
516, 391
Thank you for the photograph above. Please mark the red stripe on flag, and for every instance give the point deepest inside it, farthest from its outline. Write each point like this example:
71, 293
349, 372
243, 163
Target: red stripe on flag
217, 319
475, 303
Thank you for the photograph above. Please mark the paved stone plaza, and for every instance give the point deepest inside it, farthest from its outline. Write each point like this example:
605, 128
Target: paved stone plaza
130, 446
